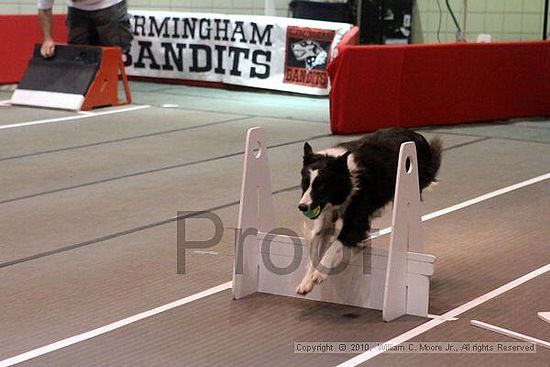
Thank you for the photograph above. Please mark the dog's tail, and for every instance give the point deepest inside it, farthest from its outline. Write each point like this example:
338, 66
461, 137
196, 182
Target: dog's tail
436, 149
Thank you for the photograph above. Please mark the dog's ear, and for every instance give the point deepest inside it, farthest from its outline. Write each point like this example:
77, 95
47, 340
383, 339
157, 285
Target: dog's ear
342, 160
308, 150
308, 153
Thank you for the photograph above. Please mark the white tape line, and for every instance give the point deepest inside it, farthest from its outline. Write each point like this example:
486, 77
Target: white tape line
510, 333
488, 196
107, 328
361, 358
5, 102
406, 336
473, 201
73, 117
545, 316
202, 252
431, 316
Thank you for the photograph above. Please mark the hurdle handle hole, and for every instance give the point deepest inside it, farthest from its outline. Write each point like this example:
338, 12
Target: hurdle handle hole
257, 150
408, 165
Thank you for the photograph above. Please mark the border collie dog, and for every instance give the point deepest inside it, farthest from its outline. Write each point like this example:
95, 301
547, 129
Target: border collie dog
347, 184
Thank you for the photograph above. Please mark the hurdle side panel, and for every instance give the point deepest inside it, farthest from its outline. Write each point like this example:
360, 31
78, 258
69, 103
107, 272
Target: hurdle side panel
406, 232
255, 213
418, 294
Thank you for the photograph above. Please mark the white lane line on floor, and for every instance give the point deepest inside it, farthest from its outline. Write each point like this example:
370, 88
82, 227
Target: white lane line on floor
105, 329
473, 201
431, 316
5, 102
73, 117
202, 252
510, 333
487, 196
363, 357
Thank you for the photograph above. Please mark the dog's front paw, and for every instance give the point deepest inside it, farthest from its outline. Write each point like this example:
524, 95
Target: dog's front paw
318, 277
305, 286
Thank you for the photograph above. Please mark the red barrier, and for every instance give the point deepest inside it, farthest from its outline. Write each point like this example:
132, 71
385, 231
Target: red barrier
351, 38
419, 85
18, 35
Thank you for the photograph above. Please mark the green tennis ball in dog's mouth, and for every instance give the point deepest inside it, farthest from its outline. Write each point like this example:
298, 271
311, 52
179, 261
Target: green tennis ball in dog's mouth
313, 213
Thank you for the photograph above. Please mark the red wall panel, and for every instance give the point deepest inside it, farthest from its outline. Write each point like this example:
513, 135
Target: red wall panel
419, 85
18, 34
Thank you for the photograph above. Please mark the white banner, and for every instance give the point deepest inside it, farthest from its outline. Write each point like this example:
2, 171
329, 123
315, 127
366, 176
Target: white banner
277, 53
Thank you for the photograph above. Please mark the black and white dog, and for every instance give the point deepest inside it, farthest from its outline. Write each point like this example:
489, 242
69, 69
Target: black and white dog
349, 183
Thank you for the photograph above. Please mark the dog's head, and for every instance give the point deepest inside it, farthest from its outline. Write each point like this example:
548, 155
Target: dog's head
325, 180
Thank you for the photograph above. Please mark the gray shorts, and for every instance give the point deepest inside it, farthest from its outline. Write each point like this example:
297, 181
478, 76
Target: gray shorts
105, 27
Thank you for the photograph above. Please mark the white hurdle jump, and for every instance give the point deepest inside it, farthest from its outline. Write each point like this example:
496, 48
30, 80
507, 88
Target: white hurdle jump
396, 281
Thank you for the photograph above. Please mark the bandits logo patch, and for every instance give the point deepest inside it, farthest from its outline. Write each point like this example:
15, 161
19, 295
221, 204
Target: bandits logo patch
307, 56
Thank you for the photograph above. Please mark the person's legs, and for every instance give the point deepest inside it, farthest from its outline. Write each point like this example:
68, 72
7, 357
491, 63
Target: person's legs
113, 26
81, 28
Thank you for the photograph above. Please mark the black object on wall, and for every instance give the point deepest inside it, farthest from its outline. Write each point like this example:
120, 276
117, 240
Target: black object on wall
545, 26
385, 21
317, 10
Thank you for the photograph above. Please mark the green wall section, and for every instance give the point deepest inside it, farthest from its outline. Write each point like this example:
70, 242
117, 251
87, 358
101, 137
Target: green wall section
504, 20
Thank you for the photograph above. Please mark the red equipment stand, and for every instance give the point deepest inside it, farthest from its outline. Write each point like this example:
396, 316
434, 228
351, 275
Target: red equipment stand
104, 88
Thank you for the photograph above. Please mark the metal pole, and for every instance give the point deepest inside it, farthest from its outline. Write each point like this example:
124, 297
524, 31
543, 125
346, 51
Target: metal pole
359, 13
382, 13
464, 16
545, 21
269, 8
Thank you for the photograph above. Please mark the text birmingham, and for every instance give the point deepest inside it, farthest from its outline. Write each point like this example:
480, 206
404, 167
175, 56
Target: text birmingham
204, 57
202, 28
